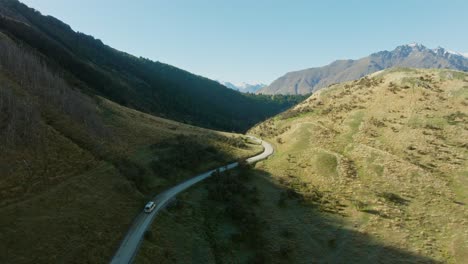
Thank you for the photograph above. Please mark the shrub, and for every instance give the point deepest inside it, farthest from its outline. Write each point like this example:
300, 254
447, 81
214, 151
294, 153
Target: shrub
149, 235
394, 198
131, 170
183, 153
285, 251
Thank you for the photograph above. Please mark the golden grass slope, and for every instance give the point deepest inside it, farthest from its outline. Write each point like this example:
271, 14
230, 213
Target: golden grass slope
389, 151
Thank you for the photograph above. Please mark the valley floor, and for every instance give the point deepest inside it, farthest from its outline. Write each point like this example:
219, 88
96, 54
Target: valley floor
67, 204
370, 171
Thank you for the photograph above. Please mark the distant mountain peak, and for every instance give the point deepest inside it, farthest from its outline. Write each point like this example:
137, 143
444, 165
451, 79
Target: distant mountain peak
411, 47
415, 45
454, 53
439, 50
442, 51
243, 86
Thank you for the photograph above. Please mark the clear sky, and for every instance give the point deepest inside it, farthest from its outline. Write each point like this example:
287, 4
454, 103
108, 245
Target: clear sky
260, 40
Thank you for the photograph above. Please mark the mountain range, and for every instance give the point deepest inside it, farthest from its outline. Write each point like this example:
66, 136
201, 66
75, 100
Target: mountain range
411, 55
244, 87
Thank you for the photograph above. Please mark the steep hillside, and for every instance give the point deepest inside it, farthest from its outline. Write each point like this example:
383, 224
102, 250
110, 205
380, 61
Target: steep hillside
412, 55
75, 169
369, 171
389, 153
139, 83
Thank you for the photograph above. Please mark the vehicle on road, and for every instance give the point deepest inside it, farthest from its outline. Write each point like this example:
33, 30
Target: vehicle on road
149, 207
131, 242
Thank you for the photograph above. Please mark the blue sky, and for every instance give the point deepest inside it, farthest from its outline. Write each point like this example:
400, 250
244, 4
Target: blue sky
259, 40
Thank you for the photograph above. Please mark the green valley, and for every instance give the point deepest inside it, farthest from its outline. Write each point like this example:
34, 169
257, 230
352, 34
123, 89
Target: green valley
76, 169
109, 157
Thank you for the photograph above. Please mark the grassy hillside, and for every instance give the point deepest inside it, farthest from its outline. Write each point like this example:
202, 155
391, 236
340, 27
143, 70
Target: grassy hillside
369, 171
390, 153
139, 83
76, 168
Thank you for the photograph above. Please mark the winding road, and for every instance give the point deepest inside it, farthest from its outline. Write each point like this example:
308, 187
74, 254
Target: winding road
131, 243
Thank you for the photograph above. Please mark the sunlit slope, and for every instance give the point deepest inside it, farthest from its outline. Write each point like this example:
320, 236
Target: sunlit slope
389, 155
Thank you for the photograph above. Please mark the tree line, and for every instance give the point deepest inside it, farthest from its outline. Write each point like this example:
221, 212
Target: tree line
46, 91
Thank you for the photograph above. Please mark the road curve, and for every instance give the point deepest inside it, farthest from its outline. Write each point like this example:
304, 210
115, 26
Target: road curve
131, 243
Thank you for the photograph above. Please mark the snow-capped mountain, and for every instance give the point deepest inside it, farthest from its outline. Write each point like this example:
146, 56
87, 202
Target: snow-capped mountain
243, 87
413, 55
440, 50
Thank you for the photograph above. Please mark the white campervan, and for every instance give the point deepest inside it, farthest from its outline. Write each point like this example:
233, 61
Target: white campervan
149, 207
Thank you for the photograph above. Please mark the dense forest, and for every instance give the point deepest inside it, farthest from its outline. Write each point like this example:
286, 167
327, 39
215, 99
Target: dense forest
140, 83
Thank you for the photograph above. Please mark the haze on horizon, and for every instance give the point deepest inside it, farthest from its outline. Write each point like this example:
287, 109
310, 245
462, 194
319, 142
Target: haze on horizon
258, 41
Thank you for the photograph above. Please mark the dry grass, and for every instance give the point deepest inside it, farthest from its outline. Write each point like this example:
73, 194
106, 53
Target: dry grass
398, 133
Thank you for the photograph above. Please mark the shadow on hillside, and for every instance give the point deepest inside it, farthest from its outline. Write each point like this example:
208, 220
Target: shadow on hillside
82, 218
296, 230
242, 216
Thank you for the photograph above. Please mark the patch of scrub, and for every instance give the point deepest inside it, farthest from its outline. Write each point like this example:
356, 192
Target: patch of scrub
326, 164
460, 186
301, 137
353, 127
462, 92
